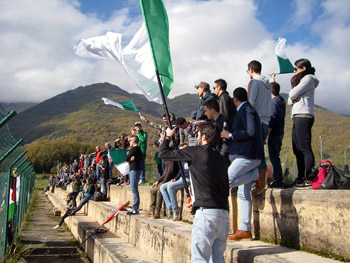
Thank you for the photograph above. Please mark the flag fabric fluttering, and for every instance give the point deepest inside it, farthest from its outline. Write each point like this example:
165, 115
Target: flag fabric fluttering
125, 105
138, 58
157, 25
283, 61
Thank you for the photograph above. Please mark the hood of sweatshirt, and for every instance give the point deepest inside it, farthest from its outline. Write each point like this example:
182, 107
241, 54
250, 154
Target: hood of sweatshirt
264, 80
315, 79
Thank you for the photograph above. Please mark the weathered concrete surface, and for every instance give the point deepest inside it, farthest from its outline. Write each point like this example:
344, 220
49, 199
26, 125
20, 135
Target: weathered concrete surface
315, 219
48, 245
168, 241
102, 248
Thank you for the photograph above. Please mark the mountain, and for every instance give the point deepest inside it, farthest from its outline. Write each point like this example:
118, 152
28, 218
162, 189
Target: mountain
80, 115
18, 107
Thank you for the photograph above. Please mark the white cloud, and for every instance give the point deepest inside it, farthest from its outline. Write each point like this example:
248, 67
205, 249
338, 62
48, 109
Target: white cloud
209, 40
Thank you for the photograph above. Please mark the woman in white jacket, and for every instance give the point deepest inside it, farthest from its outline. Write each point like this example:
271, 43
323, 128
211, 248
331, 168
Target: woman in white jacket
301, 97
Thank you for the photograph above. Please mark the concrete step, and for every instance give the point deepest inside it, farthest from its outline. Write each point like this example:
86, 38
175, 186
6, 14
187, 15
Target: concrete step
100, 248
168, 241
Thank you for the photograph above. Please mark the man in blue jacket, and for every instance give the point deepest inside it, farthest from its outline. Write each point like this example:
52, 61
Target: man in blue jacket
276, 132
246, 152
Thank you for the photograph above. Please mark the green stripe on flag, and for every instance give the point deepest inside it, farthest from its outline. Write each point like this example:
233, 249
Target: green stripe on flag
118, 156
156, 22
285, 65
129, 105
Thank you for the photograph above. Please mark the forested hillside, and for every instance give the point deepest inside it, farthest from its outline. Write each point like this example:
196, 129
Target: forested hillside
79, 119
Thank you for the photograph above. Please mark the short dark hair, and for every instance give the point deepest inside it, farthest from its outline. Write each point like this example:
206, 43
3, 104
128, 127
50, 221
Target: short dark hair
211, 131
222, 83
212, 104
255, 66
275, 88
180, 121
240, 94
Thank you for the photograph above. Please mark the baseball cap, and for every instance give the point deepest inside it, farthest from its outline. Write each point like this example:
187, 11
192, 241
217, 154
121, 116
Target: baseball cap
203, 85
137, 123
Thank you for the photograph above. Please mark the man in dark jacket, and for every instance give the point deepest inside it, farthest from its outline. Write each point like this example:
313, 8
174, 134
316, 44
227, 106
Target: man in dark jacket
246, 152
210, 190
203, 90
227, 107
276, 132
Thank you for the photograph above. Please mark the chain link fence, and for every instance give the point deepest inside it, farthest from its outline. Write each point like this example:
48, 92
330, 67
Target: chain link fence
16, 183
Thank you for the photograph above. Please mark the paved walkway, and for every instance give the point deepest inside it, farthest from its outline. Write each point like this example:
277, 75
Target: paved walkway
49, 245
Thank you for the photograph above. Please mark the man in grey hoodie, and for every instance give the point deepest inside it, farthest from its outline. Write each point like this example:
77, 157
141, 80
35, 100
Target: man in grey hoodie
259, 96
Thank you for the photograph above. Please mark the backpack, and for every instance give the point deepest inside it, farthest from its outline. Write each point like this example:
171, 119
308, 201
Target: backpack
98, 196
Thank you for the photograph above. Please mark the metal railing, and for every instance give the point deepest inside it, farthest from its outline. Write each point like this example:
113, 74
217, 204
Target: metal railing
16, 183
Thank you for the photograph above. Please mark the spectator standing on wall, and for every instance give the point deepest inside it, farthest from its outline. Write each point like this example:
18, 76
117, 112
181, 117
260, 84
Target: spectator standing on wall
203, 90
142, 143
276, 132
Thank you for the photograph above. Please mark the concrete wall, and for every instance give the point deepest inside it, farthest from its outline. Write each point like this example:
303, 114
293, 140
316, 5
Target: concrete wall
316, 219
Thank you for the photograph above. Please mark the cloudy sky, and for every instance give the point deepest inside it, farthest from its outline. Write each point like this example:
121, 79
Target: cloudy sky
209, 40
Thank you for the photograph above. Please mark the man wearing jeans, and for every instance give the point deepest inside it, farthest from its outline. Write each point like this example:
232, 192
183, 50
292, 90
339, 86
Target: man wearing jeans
246, 153
210, 190
134, 158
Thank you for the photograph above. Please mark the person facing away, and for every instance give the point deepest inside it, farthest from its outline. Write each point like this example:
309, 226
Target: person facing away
134, 158
276, 132
209, 182
203, 90
301, 96
227, 107
69, 208
259, 96
246, 153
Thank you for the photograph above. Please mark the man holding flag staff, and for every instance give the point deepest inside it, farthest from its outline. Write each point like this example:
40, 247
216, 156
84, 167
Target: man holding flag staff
210, 191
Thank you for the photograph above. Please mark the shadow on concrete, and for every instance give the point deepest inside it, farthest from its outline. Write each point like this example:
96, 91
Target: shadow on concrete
285, 219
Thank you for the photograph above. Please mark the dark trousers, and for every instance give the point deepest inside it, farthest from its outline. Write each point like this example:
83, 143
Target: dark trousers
301, 138
274, 147
64, 217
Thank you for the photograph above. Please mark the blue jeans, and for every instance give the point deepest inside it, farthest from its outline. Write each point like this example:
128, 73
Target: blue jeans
169, 190
85, 200
274, 146
134, 180
143, 174
242, 173
209, 235
104, 186
263, 132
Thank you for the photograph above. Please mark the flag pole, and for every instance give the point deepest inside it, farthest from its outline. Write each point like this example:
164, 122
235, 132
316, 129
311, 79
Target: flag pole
188, 195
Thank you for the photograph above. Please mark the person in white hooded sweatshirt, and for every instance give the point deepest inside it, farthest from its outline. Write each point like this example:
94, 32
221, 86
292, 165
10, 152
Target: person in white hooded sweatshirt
301, 96
259, 96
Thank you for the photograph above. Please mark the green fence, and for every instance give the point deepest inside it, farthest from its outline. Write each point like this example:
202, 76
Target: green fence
16, 183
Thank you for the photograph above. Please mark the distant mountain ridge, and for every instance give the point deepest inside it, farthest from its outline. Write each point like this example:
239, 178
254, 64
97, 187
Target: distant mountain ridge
17, 106
81, 115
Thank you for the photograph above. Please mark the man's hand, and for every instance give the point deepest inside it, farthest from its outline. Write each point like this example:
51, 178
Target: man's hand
170, 132
132, 158
172, 180
225, 134
155, 184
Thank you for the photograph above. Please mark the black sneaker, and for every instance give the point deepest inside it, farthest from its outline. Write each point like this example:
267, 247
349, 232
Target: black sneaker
274, 185
133, 212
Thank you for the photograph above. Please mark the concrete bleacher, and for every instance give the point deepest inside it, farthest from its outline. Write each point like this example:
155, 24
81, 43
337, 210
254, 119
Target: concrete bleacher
288, 216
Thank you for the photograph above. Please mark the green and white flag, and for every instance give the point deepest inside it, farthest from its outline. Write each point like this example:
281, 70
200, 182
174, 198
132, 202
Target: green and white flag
283, 61
147, 52
126, 105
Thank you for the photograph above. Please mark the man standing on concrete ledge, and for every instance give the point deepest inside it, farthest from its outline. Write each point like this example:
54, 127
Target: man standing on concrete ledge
246, 152
210, 190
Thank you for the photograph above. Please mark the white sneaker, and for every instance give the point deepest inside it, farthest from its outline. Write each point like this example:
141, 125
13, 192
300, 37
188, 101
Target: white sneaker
55, 227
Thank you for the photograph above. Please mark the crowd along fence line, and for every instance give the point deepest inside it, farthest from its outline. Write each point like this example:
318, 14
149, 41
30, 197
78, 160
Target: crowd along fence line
17, 178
